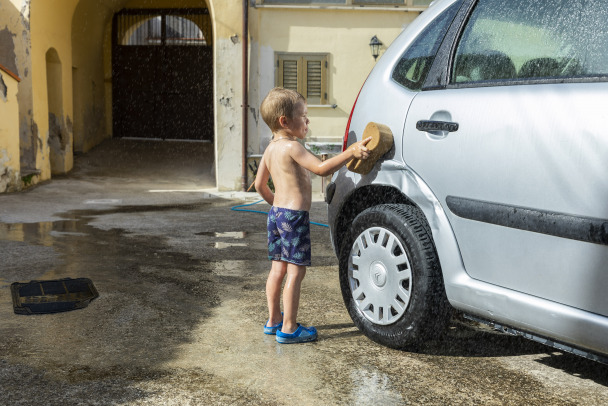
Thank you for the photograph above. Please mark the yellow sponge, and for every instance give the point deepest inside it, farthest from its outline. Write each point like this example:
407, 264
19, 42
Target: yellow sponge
381, 142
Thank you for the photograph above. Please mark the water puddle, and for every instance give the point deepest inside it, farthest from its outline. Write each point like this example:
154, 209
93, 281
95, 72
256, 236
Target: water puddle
374, 387
228, 234
103, 201
222, 245
230, 267
29, 250
254, 240
38, 233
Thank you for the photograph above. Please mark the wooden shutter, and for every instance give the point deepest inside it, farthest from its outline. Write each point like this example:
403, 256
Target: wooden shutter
289, 72
304, 73
315, 79
290, 75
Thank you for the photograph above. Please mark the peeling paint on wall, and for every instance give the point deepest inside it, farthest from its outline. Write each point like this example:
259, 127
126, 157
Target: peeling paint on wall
9, 179
7, 50
225, 101
59, 143
255, 114
28, 131
58, 136
15, 55
25, 14
3, 89
69, 125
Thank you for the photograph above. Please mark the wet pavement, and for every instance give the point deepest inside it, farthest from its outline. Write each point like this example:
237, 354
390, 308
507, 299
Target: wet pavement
181, 280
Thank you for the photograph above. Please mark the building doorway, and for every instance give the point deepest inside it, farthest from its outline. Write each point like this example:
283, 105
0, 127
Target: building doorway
162, 74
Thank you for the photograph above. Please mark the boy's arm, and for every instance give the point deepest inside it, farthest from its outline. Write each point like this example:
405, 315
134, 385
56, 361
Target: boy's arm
261, 182
323, 168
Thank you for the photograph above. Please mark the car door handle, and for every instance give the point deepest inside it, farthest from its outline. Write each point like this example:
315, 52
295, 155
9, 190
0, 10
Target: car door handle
432, 125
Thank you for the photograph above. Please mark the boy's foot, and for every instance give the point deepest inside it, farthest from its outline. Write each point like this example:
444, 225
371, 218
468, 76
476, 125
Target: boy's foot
301, 335
272, 330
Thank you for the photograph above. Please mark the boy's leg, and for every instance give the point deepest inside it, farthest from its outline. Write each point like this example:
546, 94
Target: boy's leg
273, 291
291, 296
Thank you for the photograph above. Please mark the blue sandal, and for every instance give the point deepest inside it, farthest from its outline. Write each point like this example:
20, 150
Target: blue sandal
272, 330
301, 335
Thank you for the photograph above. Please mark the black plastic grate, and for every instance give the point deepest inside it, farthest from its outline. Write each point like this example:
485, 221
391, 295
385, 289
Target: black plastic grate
54, 296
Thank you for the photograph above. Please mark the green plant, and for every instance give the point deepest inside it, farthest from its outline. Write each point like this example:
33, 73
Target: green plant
27, 179
254, 169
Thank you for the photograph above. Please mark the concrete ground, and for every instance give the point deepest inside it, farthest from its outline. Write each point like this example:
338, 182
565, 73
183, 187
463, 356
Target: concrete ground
179, 318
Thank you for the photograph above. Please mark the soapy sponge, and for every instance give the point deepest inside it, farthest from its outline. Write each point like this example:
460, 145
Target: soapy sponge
381, 142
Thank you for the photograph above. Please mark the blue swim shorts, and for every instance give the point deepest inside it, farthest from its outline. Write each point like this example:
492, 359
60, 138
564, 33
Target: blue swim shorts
289, 236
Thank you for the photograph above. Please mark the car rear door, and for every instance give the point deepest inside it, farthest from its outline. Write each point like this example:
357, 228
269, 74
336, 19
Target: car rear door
515, 147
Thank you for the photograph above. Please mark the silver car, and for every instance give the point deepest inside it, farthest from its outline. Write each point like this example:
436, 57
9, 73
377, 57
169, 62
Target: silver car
494, 198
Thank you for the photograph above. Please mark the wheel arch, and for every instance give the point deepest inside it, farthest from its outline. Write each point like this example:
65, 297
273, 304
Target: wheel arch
361, 199
406, 187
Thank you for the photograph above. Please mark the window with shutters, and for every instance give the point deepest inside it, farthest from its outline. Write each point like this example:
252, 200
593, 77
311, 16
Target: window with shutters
304, 73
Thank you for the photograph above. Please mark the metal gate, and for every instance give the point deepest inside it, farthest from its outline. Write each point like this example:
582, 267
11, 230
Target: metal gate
162, 74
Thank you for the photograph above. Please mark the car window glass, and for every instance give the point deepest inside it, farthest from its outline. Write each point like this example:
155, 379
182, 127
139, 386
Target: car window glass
414, 65
522, 39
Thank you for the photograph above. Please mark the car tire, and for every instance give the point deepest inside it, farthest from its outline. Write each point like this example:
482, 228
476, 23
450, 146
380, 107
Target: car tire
391, 279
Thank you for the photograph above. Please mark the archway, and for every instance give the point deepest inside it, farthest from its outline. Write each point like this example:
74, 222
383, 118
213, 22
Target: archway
162, 74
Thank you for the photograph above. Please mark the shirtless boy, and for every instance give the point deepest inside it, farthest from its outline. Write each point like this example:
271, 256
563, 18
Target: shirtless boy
290, 164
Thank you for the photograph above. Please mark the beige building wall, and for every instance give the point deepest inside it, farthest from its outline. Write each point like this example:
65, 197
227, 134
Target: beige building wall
89, 78
344, 34
9, 132
51, 31
15, 56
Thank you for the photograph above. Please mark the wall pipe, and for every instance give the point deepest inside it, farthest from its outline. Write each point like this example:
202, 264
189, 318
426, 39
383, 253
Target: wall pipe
245, 104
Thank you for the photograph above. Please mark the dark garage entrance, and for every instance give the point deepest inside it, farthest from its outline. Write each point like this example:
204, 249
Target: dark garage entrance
162, 74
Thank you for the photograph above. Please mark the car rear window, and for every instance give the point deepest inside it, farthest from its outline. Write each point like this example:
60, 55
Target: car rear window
416, 61
523, 40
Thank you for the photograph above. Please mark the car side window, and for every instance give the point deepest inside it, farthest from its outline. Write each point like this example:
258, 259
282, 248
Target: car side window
415, 63
528, 40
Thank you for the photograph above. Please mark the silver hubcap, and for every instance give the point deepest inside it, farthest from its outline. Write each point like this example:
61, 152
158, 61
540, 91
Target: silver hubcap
380, 275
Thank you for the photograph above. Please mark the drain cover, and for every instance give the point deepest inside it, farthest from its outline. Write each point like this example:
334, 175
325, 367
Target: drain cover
54, 296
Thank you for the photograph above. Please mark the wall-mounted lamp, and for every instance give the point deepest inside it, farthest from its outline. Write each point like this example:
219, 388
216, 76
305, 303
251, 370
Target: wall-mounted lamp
375, 45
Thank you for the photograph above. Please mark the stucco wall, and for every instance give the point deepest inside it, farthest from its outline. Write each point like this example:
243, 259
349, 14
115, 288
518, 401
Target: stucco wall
228, 42
343, 34
9, 134
88, 74
51, 29
15, 55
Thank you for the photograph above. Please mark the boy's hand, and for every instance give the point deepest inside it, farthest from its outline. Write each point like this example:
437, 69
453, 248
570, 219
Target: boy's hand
360, 151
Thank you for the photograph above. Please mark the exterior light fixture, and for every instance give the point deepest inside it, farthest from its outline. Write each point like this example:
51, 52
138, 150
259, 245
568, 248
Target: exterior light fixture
375, 45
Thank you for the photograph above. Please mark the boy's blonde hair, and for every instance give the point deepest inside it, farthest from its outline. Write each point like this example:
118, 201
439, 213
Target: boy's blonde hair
279, 102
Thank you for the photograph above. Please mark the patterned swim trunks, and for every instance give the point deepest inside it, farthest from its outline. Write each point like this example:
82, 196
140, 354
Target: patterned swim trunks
289, 236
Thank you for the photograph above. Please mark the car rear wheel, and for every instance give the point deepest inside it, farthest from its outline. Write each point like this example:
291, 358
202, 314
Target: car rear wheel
391, 279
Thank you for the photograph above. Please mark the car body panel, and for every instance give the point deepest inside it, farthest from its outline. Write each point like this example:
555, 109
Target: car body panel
519, 278
510, 149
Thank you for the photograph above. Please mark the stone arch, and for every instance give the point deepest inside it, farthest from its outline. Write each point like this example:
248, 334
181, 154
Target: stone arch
92, 73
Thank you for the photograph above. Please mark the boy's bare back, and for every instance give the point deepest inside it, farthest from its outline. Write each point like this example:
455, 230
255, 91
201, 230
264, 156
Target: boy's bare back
291, 181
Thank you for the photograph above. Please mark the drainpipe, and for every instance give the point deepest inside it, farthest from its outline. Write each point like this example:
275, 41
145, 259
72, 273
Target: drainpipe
245, 104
